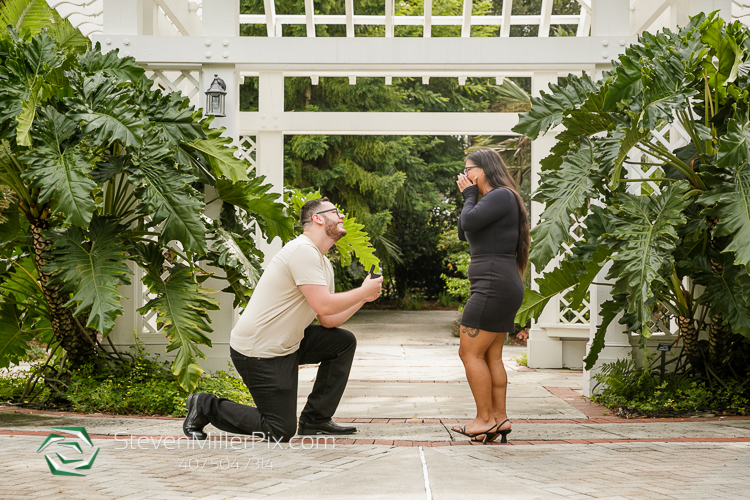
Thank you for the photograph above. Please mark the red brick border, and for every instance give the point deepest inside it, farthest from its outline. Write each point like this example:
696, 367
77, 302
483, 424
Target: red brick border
400, 443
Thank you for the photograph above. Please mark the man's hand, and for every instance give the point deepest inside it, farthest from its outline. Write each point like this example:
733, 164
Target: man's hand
372, 287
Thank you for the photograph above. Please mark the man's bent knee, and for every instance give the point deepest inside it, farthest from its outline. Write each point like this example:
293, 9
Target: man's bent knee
283, 431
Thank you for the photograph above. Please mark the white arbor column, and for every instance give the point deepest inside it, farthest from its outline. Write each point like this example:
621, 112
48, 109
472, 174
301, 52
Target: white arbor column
610, 18
130, 17
544, 352
270, 141
221, 20
616, 343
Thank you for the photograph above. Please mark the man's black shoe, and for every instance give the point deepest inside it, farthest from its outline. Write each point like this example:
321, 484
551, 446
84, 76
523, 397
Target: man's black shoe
330, 427
194, 422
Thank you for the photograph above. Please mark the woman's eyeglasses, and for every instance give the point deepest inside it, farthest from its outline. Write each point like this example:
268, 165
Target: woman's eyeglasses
466, 170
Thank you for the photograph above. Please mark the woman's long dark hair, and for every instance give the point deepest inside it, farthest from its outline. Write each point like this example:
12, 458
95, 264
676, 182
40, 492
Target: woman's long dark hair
497, 175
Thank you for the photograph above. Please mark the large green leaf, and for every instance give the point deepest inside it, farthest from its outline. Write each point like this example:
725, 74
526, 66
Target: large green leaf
735, 144
730, 202
617, 147
608, 311
181, 306
549, 109
14, 338
105, 111
724, 293
626, 84
218, 151
726, 55
111, 64
91, 266
39, 56
27, 115
356, 242
172, 116
666, 87
231, 256
255, 197
58, 167
168, 197
645, 238
565, 191
570, 273
23, 15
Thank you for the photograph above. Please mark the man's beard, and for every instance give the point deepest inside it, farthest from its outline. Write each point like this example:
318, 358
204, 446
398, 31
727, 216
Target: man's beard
333, 230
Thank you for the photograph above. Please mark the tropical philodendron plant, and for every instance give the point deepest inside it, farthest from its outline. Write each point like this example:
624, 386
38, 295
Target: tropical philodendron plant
100, 173
679, 244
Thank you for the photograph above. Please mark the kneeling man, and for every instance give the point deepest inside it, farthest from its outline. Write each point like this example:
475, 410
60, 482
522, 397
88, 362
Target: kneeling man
274, 336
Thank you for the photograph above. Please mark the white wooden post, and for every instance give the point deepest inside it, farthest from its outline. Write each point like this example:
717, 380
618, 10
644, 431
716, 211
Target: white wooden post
269, 160
611, 18
544, 352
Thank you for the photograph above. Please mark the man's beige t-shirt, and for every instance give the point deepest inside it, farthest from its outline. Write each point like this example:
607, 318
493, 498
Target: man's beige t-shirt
274, 321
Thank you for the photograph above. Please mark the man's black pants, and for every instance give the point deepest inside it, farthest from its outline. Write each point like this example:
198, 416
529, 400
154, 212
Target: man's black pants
273, 385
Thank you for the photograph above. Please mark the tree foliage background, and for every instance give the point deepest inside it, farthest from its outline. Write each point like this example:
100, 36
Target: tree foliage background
402, 188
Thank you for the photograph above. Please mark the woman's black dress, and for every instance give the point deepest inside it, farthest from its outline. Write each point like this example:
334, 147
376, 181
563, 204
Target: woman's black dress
491, 228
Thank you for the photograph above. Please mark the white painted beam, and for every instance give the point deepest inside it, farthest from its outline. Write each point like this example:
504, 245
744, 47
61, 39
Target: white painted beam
466, 21
546, 15
220, 19
349, 6
320, 54
390, 13
270, 18
188, 23
291, 123
310, 17
427, 31
610, 18
507, 10
645, 12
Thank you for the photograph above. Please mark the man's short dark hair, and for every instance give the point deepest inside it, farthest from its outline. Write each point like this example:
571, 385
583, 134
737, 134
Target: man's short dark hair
308, 209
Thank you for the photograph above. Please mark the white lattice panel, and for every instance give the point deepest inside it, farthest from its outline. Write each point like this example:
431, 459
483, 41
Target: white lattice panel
573, 314
641, 165
247, 151
567, 314
184, 81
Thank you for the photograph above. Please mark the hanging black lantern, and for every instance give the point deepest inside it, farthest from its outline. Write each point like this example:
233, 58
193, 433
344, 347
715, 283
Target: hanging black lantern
215, 97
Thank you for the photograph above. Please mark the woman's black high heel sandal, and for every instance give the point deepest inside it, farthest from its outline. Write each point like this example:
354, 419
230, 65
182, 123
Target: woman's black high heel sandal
473, 435
504, 433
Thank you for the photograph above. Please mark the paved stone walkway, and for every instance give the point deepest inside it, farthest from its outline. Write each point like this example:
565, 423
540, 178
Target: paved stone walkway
407, 387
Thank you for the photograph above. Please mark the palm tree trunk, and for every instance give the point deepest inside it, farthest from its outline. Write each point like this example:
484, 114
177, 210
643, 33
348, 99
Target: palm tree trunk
79, 343
718, 338
689, 335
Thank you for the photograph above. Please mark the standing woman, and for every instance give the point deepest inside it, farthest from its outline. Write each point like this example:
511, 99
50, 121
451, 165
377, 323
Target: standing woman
497, 230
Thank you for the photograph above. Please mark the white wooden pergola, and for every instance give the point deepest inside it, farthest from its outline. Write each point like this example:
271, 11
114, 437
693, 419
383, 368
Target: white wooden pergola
182, 44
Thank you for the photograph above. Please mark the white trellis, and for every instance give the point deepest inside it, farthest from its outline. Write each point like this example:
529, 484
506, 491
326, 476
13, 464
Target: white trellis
247, 151
184, 43
184, 81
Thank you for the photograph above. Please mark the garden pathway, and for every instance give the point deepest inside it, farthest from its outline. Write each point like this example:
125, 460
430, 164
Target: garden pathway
406, 388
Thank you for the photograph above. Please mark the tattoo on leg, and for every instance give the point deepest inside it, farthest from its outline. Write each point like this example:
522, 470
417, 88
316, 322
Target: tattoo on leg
471, 332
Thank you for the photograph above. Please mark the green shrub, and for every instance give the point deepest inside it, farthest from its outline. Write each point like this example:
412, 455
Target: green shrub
634, 390
143, 386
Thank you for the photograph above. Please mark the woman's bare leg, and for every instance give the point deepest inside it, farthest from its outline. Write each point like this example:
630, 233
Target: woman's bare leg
494, 359
473, 348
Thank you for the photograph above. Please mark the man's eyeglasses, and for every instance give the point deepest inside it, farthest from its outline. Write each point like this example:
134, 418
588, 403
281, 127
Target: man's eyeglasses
338, 214
466, 170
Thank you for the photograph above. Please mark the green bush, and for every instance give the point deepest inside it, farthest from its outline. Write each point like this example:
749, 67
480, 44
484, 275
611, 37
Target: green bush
632, 390
143, 386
